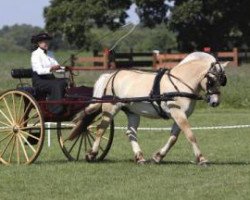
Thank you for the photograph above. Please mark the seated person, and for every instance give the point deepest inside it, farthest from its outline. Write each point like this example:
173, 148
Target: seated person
43, 66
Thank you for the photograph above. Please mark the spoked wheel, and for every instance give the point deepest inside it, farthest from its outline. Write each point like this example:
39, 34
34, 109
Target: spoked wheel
77, 148
21, 128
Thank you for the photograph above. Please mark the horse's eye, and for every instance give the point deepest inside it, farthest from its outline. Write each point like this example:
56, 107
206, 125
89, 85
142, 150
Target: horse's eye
223, 80
210, 83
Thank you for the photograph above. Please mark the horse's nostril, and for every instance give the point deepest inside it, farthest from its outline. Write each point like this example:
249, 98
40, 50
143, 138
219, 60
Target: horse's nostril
214, 104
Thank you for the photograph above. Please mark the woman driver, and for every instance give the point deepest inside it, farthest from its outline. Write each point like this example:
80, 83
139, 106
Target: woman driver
43, 66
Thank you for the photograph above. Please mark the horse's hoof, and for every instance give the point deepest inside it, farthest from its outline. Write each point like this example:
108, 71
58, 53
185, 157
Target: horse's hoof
141, 162
203, 163
157, 157
91, 156
139, 159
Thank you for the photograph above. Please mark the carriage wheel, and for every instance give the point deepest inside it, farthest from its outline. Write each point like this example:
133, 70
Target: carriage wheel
77, 148
21, 128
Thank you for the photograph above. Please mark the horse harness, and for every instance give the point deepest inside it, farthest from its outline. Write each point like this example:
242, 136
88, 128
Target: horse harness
155, 92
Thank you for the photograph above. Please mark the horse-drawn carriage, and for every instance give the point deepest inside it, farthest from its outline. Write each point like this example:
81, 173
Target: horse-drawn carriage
25, 110
24, 113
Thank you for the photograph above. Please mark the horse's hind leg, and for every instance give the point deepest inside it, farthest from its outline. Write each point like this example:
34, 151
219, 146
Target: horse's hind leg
158, 156
133, 123
108, 112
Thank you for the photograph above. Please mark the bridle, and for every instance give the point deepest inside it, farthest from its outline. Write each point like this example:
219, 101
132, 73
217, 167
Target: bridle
220, 78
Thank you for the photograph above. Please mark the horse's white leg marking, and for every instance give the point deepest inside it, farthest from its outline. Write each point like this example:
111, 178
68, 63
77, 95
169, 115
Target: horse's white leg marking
133, 123
158, 156
181, 120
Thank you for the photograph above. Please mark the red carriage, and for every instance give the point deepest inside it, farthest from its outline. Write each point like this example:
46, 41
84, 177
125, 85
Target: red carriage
24, 113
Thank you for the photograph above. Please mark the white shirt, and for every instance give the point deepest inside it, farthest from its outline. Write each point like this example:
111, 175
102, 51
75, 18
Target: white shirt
42, 62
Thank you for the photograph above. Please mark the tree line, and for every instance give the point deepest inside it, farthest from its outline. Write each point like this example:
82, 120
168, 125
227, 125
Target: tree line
183, 25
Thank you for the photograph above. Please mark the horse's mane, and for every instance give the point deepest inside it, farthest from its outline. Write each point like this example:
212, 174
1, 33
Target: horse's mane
197, 56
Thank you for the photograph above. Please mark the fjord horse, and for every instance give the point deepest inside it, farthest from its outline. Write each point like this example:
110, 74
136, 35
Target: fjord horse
197, 72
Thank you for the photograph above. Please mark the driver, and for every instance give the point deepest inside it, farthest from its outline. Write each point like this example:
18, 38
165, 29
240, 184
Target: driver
43, 66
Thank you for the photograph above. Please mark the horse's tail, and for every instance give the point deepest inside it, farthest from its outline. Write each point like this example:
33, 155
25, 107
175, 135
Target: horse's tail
86, 116
101, 84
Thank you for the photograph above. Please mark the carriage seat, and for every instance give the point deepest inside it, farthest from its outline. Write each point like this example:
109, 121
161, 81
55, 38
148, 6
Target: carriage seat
21, 73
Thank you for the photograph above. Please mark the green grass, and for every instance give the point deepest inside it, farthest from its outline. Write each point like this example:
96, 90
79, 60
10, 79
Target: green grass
118, 177
228, 177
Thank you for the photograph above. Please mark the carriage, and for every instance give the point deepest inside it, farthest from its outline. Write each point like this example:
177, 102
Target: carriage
25, 111
24, 118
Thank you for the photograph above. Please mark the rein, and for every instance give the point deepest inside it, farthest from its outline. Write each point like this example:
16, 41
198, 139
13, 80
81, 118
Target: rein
162, 97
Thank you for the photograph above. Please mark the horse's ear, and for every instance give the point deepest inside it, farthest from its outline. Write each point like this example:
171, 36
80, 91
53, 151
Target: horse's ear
225, 64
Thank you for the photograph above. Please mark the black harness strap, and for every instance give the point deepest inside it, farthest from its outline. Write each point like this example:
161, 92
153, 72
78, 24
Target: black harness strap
156, 92
172, 82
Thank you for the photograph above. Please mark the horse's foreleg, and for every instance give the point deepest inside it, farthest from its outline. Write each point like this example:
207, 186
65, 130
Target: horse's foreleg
133, 123
181, 120
158, 156
108, 113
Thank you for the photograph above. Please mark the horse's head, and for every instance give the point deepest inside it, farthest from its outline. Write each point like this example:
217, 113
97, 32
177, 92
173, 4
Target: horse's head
212, 81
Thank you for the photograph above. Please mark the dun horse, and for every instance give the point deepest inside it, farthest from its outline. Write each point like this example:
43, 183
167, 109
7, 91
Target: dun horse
197, 72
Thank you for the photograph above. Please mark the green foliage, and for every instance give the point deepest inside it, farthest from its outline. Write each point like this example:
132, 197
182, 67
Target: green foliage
17, 37
140, 40
218, 24
152, 12
74, 18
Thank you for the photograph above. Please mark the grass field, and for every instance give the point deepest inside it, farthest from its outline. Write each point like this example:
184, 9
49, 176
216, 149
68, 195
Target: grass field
228, 176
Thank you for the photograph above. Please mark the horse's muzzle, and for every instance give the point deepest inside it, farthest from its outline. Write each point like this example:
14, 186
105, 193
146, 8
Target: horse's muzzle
213, 100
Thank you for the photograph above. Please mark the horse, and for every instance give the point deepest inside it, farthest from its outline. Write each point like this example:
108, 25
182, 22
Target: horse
198, 72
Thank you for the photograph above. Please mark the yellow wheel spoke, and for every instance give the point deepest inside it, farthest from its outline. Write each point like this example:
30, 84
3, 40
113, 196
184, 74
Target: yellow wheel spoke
22, 145
26, 121
19, 108
6, 137
35, 125
3, 123
17, 151
30, 135
5, 148
8, 108
12, 150
25, 113
27, 142
5, 116
5, 129
14, 106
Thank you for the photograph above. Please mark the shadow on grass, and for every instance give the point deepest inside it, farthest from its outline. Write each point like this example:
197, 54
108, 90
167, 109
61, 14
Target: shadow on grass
210, 163
148, 162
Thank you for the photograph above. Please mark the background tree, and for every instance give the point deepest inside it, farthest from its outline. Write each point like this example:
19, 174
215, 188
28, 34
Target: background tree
218, 24
142, 39
152, 12
17, 37
73, 19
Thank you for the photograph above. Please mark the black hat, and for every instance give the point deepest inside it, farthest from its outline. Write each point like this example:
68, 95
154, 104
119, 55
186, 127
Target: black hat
40, 37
